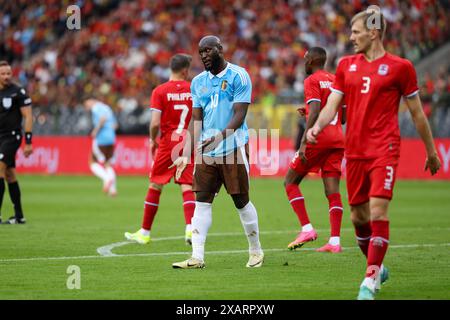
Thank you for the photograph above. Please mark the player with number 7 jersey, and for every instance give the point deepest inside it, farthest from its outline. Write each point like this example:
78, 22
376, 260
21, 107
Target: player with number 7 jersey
171, 105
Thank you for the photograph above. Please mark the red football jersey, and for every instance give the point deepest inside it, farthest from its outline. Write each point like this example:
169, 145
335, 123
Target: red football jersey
173, 99
317, 88
372, 93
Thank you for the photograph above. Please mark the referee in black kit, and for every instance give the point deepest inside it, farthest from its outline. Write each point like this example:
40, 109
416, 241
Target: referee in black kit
14, 105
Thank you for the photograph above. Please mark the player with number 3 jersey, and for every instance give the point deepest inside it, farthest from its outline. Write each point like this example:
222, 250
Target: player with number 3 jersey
371, 83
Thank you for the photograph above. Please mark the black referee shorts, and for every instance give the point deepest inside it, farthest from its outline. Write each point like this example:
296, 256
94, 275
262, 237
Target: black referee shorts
9, 144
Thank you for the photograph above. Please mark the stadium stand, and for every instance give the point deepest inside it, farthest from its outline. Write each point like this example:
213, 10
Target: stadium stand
121, 52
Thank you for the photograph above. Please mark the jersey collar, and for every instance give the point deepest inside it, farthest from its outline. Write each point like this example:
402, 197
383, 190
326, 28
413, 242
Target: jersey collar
221, 73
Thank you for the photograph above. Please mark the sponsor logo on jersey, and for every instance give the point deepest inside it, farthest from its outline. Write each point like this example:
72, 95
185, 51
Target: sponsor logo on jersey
383, 69
352, 68
7, 103
324, 84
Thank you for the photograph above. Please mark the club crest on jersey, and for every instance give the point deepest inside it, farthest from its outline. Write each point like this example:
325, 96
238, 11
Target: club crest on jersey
352, 68
7, 103
224, 85
383, 69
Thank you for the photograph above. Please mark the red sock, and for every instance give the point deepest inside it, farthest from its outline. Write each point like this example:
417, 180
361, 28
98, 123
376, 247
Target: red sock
150, 208
378, 246
336, 210
363, 233
188, 205
297, 202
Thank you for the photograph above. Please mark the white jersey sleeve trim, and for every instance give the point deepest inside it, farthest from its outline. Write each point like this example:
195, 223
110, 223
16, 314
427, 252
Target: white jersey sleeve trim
312, 100
336, 90
412, 94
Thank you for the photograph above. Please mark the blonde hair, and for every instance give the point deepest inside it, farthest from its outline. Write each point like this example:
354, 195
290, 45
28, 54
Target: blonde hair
372, 12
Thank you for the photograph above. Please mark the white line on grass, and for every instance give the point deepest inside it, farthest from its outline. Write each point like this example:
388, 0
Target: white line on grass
106, 251
155, 254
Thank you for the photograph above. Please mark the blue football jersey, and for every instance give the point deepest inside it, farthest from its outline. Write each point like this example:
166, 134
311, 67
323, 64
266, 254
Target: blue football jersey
107, 133
216, 94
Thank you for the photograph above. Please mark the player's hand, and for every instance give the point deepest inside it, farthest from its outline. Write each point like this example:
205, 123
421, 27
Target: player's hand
311, 134
301, 153
27, 150
301, 111
433, 164
153, 146
209, 142
94, 133
180, 163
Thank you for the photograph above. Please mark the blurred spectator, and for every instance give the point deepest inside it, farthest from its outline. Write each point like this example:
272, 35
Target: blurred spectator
121, 54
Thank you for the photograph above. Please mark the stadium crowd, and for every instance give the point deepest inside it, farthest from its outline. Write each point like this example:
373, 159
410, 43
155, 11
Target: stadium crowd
121, 52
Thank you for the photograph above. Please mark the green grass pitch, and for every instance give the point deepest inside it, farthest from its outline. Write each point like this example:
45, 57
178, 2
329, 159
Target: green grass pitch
69, 218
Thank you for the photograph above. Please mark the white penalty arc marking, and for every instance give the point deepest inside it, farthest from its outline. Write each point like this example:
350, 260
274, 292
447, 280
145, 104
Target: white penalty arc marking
156, 254
106, 251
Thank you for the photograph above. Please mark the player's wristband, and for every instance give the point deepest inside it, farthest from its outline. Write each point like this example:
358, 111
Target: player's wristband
28, 137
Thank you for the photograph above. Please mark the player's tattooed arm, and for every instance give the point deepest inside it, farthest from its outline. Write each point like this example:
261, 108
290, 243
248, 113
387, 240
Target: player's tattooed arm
314, 111
414, 104
194, 130
325, 117
239, 114
155, 123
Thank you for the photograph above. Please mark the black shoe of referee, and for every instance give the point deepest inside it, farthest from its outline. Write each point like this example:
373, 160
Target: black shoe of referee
14, 220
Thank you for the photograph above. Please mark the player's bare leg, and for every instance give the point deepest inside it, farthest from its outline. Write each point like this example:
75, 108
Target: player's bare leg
151, 205
249, 220
297, 201
188, 208
331, 187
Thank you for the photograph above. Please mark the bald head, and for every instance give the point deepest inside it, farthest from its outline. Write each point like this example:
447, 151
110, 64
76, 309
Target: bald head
211, 53
210, 41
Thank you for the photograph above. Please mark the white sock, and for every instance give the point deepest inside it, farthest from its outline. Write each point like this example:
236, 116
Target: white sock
188, 228
144, 232
99, 171
307, 228
334, 241
249, 219
201, 222
370, 283
111, 174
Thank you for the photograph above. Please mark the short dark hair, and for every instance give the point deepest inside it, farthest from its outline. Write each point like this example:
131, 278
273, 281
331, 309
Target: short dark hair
318, 53
180, 61
4, 63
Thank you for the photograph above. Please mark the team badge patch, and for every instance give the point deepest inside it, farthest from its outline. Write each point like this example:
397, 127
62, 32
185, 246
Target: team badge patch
383, 69
224, 85
352, 68
7, 103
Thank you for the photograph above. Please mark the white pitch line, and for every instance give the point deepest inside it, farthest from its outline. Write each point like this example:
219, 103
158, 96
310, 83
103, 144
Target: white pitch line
156, 254
106, 251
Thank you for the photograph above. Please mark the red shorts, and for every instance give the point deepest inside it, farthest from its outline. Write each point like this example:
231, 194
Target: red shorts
160, 172
328, 161
370, 178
